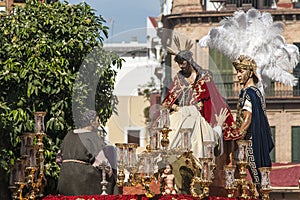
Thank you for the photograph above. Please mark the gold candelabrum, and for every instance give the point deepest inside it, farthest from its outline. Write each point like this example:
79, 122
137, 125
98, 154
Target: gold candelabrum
245, 188
27, 176
141, 170
206, 166
243, 183
141, 167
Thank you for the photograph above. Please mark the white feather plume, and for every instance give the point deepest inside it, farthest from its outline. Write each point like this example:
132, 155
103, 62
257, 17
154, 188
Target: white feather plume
254, 34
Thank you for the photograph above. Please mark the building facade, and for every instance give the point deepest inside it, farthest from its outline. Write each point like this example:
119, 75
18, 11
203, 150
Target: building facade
138, 78
7, 5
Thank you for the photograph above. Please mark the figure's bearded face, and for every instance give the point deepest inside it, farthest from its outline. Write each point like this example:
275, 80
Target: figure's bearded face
185, 68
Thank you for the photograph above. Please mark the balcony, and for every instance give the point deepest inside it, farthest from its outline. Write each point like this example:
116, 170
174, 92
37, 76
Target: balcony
277, 96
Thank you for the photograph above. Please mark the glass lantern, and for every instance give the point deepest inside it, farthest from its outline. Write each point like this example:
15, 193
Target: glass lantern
186, 138
164, 118
39, 122
121, 154
265, 177
131, 155
229, 176
242, 150
148, 164
20, 172
154, 139
27, 141
205, 174
209, 149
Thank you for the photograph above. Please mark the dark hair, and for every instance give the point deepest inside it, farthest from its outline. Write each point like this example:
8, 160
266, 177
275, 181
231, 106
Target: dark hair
168, 164
184, 55
87, 116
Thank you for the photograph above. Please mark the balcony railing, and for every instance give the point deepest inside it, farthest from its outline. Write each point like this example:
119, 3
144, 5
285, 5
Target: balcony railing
230, 88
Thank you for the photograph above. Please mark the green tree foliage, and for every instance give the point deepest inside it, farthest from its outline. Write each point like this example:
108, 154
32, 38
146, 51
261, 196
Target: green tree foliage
50, 55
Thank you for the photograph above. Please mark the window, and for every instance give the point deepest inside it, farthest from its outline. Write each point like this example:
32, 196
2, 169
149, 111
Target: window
222, 70
297, 4
268, 3
295, 143
272, 153
135, 135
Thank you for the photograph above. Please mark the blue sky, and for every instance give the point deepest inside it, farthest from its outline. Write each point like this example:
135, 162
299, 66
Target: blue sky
125, 18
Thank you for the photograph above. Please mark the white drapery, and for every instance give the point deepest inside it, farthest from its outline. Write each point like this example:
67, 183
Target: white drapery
189, 117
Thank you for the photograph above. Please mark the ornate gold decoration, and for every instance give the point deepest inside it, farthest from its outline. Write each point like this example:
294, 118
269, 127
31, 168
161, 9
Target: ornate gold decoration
27, 175
246, 187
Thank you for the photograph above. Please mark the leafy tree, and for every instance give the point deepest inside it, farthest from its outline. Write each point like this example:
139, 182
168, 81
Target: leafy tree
50, 55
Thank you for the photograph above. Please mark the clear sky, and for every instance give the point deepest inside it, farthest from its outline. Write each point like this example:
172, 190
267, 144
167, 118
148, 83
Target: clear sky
125, 18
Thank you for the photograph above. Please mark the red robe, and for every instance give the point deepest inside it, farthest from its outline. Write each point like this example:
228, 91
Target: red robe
206, 97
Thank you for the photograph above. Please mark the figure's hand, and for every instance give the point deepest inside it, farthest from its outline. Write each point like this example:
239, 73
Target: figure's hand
222, 116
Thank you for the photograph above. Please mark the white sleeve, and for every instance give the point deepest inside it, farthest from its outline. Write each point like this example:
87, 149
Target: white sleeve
247, 106
218, 129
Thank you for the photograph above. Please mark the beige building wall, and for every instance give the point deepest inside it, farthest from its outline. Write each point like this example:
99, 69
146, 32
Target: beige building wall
283, 120
130, 116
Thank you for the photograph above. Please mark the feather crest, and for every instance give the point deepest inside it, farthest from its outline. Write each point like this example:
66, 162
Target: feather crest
254, 34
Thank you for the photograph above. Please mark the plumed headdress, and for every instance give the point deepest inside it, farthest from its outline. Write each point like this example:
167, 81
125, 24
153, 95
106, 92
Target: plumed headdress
254, 36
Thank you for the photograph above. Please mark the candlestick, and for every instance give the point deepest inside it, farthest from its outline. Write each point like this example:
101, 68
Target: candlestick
27, 176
